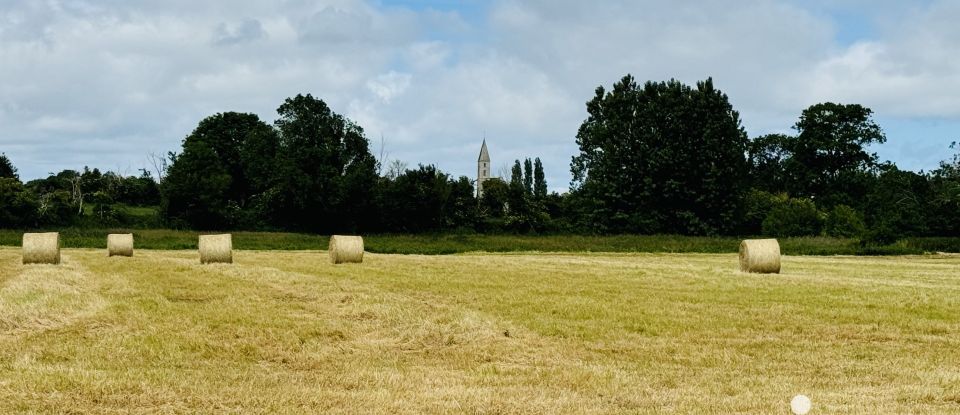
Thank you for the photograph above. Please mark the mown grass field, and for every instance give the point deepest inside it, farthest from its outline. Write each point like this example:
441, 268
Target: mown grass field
287, 332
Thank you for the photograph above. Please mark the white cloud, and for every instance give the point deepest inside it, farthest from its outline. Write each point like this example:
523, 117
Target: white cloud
104, 82
389, 85
245, 31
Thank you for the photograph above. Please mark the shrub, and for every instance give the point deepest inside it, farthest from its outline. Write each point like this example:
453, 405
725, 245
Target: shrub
793, 217
844, 222
757, 206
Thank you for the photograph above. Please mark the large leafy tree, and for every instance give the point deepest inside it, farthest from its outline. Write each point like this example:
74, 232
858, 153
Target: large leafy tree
6, 168
827, 160
194, 192
326, 170
18, 206
496, 195
896, 205
661, 157
226, 165
945, 200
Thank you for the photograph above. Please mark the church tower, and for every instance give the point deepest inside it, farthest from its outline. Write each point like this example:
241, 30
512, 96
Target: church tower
483, 168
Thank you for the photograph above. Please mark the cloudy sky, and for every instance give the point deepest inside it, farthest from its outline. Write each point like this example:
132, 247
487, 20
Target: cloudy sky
104, 83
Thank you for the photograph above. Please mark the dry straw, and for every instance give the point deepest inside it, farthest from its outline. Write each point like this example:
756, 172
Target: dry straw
760, 256
120, 244
344, 249
216, 249
41, 248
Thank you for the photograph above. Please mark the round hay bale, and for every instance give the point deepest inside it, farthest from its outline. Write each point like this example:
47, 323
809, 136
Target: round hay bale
41, 248
760, 256
346, 249
216, 249
120, 244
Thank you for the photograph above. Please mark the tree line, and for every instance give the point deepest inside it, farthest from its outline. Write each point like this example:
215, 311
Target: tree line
658, 157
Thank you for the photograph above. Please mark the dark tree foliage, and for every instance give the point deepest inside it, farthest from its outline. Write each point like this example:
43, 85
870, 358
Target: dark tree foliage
135, 190
528, 176
944, 207
18, 206
326, 173
496, 194
539, 180
827, 159
462, 207
416, 200
793, 217
56, 208
516, 175
767, 156
844, 222
195, 189
523, 213
663, 157
6, 168
226, 163
757, 206
896, 205
60, 197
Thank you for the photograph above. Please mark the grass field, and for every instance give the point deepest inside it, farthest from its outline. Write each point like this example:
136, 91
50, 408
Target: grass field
286, 332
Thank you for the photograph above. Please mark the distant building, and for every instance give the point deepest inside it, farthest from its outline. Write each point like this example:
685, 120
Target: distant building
483, 168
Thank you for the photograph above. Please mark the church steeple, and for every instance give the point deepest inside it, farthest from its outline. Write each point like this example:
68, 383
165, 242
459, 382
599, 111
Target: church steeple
484, 155
483, 167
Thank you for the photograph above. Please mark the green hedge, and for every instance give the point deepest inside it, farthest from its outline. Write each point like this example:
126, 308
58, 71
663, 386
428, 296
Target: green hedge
457, 243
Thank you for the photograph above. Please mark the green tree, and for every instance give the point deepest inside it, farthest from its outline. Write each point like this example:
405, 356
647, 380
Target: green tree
516, 175
18, 205
663, 157
757, 206
6, 168
528, 176
140, 190
896, 205
461, 209
767, 156
539, 180
194, 191
493, 203
521, 214
226, 164
56, 208
416, 200
945, 201
827, 159
326, 171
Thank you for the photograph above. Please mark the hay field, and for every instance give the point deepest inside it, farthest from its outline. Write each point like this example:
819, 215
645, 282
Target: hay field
287, 332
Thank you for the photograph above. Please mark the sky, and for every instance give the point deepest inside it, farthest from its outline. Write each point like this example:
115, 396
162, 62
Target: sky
107, 83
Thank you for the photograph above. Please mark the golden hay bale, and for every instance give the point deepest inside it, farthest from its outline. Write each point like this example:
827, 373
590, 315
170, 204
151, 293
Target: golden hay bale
120, 244
216, 249
760, 256
41, 248
344, 249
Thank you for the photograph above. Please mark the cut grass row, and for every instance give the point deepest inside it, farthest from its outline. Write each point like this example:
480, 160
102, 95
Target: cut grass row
458, 243
288, 332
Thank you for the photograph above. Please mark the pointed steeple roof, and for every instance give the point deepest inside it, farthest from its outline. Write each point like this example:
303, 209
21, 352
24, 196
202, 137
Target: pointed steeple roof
484, 155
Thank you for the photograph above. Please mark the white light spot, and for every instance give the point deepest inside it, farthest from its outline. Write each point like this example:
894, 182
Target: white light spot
800, 404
